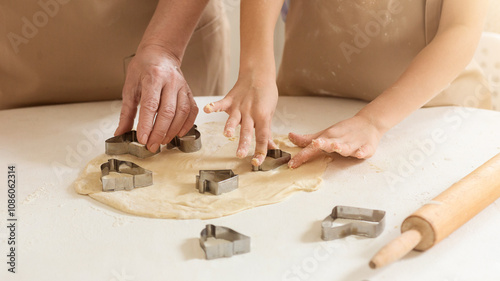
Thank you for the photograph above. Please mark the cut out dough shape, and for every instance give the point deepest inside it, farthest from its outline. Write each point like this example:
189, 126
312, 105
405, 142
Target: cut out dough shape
173, 194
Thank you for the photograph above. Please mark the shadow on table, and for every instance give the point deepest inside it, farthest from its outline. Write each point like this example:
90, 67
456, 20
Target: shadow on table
192, 250
313, 235
364, 272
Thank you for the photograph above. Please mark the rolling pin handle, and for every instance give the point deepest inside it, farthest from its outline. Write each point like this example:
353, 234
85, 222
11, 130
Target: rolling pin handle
396, 249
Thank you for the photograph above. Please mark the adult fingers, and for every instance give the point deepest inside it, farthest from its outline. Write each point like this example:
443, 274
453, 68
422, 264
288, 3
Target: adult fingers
150, 102
166, 113
130, 100
182, 111
303, 156
188, 124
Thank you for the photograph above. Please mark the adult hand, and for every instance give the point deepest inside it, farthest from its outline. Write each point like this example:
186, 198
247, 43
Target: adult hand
154, 80
356, 137
251, 104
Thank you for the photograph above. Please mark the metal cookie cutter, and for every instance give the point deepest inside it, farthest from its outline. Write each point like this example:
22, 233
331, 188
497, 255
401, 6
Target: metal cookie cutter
231, 242
274, 159
216, 181
127, 143
364, 222
191, 142
136, 176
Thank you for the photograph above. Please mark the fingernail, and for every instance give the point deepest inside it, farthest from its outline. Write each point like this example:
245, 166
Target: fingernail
209, 107
229, 133
144, 139
154, 147
359, 153
317, 143
241, 153
258, 159
291, 164
336, 147
255, 162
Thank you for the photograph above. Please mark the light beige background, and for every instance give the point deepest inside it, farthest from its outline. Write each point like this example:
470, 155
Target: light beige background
233, 12
493, 20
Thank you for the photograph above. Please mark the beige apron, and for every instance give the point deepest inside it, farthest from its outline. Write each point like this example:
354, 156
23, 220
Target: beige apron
357, 49
61, 51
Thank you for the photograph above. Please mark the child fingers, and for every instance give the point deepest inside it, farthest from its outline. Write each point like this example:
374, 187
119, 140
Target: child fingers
327, 145
364, 152
302, 140
245, 137
344, 148
303, 156
232, 122
261, 143
271, 144
217, 106
347, 149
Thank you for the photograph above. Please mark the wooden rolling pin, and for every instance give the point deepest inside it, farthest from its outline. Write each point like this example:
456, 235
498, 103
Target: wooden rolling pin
447, 212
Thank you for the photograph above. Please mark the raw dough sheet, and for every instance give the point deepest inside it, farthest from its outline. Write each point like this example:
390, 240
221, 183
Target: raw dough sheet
174, 195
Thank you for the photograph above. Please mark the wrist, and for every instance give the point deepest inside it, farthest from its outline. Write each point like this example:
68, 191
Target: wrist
375, 118
259, 69
257, 78
263, 71
161, 49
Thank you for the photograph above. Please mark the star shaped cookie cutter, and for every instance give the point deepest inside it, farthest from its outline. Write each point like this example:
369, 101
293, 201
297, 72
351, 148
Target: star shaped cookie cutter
231, 242
130, 175
274, 159
191, 142
364, 222
216, 181
127, 143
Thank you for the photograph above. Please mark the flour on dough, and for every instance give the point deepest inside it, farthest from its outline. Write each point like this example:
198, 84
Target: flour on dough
173, 194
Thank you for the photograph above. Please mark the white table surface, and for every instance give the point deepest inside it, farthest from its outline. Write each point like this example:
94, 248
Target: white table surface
62, 235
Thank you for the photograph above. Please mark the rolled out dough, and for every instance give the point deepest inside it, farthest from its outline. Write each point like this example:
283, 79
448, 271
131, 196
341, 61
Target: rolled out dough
173, 194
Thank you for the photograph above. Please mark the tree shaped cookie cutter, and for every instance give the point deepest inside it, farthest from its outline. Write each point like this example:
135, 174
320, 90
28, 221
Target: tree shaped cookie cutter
216, 182
363, 222
274, 159
191, 142
130, 175
231, 242
128, 144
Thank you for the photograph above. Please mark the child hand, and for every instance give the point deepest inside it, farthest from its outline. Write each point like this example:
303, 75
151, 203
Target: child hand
251, 104
356, 137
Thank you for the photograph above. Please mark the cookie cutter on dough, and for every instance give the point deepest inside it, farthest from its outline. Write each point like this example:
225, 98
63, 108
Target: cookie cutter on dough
216, 181
274, 159
364, 222
127, 143
130, 175
191, 142
231, 242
